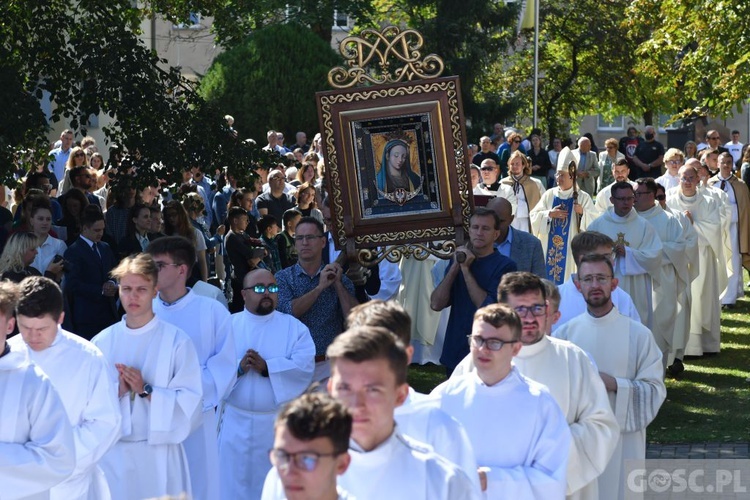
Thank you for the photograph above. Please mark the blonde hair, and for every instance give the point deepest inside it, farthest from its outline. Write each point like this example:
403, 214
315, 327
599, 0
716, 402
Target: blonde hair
71, 158
524, 159
142, 264
611, 142
673, 153
17, 245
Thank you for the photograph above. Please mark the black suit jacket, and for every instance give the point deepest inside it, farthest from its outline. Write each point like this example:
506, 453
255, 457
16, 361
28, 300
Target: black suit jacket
87, 310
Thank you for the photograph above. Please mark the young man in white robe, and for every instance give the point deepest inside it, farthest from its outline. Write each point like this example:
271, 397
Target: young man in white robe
310, 447
572, 302
620, 172
629, 363
274, 360
555, 224
570, 377
637, 249
675, 266
705, 215
36, 438
673, 159
209, 325
536, 439
81, 376
417, 418
160, 389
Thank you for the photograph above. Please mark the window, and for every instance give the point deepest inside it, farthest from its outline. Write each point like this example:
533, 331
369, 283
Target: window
616, 123
341, 20
194, 23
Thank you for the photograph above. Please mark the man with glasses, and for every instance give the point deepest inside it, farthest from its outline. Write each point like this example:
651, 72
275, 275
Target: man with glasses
629, 363
713, 139
637, 249
208, 324
675, 275
491, 185
532, 458
570, 377
319, 295
737, 207
274, 364
311, 448
673, 159
704, 213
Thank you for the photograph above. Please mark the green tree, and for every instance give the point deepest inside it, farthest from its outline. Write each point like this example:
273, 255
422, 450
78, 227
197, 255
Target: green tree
268, 82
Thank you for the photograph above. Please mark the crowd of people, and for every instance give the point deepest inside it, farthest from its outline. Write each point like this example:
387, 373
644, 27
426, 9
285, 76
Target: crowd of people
161, 344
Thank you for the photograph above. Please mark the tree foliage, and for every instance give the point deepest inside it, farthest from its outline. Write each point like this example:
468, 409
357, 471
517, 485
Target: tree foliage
270, 80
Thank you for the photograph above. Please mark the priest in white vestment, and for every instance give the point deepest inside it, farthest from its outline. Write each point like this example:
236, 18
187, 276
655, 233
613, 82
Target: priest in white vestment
705, 215
561, 213
274, 360
675, 266
629, 362
535, 436
209, 325
160, 391
570, 377
80, 374
36, 438
637, 249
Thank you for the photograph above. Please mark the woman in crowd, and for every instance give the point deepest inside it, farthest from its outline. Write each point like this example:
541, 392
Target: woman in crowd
245, 199
96, 161
51, 250
177, 223
73, 204
540, 164
691, 150
514, 142
18, 254
608, 158
307, 172
77, 158
306, 202
137, 235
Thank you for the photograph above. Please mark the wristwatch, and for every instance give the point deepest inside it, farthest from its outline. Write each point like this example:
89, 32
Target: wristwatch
147, 390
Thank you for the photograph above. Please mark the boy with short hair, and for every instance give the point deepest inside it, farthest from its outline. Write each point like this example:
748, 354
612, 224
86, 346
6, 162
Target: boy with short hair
310, 448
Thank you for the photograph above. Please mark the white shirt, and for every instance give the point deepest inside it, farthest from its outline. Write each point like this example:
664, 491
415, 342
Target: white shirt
47, 251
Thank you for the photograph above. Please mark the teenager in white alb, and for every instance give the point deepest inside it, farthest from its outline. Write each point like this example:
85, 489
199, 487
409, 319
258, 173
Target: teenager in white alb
310, 447
522, 452
36, 438
274, 359
629, 363
80, 373
209, 325
160, 391
570, 377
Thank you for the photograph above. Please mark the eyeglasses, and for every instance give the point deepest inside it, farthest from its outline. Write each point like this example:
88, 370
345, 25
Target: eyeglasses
78, 155
272, 288
642, 193
487, 169
516, 142
600, 279
162, 265
305, 460
492, 344
661, 197
307, 237
611, 147
536, 310
688, 180
624, 198
674, 162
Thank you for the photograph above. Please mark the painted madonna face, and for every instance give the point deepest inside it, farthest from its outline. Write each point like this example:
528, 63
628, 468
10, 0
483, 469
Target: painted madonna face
397, 157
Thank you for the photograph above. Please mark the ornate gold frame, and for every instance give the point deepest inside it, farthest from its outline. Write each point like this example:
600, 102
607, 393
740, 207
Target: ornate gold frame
415, 233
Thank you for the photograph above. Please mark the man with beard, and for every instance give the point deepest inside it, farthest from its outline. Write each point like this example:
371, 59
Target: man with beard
208, 324
275, 363
570, 377
629, 363
620, 172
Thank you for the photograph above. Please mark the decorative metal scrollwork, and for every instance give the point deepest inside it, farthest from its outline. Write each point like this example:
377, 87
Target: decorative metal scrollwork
371, 256
380, 57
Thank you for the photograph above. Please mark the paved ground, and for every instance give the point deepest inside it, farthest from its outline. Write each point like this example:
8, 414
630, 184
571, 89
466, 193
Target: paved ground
699, 450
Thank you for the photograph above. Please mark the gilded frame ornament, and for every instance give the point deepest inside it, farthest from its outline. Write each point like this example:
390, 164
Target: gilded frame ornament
424, 211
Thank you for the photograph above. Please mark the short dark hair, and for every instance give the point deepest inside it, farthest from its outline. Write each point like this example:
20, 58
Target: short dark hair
370, 343
91, 215
180, 249
553, 294
519, 283
236, 212
486, 212
735, 131
289, 215
8, 298
649, 182
312, 220
265, 222
317, 415
618, 186
621, 162
499, 315
661, 188
588, 241
76, 172
39, 296
595, 257
387, 314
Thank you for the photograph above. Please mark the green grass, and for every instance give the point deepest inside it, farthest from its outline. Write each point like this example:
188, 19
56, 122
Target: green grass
710, 402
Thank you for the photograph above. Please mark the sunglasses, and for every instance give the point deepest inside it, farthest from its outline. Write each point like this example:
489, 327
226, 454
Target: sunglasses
661, 197
262, 288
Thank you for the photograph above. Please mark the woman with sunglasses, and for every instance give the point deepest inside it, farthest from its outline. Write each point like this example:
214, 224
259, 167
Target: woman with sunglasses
77, 158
